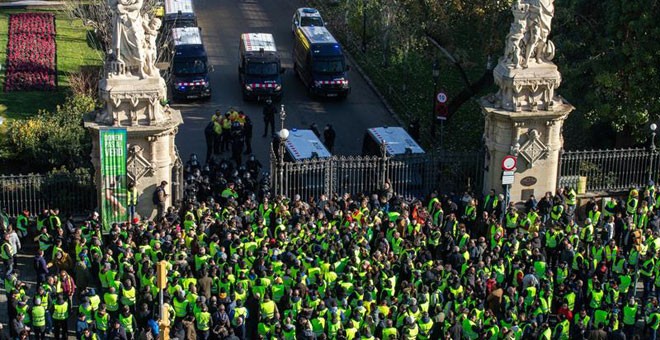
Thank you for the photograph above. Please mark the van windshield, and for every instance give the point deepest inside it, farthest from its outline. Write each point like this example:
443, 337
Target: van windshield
189, 66
311, 21
261, 69
328, 65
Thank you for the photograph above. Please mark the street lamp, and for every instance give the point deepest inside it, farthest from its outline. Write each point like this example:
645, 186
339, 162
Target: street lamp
364, 26
435, 71
283, 135
653, 127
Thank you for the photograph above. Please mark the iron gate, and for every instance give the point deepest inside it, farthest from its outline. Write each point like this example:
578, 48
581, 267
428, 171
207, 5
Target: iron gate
409, 175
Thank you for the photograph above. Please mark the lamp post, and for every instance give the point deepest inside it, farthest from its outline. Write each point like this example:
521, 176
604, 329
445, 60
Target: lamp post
435, 71
653, 127
283, 135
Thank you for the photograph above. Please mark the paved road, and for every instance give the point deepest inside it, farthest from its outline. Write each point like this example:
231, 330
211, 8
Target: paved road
222, 22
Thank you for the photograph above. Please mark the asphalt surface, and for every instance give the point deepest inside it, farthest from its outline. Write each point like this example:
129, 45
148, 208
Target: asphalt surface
222, 22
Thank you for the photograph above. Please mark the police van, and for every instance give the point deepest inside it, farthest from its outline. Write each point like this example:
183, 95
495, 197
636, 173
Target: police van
396, 141
259, 67
319, 62
179, 13
189, 78
304, 144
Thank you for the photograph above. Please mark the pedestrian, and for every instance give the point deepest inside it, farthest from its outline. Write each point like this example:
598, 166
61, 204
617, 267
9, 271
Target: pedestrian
132, 200
269, 113
68, 286
6, 253
225, 139
40, 267
237, 140
209, 137
329, 136
159, 200
247, 133
60, 317
15, 241
216, 120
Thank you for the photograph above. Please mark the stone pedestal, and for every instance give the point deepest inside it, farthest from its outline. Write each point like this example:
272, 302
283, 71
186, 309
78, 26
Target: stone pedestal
135, 104
535, 137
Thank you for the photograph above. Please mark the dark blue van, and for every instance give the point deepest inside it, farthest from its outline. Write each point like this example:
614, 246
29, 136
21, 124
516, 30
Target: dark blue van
319, 61
189, 78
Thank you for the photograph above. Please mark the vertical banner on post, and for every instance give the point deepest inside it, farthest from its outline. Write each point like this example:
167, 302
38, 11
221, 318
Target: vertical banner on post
113, 146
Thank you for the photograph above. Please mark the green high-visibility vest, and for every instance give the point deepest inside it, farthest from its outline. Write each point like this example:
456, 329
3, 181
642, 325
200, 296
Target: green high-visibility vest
61, 311
629, 314
126, 322
654, 321
600, 317
203, 321
180, 308
38, 316
102, 321
565, 329
596, 298
111, 301
389, 332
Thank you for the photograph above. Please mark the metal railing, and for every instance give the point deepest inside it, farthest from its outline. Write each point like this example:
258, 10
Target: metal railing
71, 193
409, 175
609, 170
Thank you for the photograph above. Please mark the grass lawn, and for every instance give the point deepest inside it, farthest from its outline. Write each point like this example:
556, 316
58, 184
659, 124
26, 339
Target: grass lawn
73, 51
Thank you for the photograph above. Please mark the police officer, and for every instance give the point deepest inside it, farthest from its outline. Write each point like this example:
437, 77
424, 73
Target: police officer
237, 140
329, 136
209, 136
247, 133
269, 117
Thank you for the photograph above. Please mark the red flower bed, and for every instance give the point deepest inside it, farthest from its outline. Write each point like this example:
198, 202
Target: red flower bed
31, 53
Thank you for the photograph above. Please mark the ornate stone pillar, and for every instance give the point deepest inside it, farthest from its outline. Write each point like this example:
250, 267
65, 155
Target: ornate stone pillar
525, 117
133, 91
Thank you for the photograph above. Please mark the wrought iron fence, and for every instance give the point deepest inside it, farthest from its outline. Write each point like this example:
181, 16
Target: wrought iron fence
609, 170
409, 175
71, 193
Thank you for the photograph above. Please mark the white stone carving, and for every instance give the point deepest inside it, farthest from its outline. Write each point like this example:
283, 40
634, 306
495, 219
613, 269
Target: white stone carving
128, 39
525, 75
533, 149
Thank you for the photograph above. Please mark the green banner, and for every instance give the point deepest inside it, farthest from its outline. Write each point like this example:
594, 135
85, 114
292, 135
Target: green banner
114, 198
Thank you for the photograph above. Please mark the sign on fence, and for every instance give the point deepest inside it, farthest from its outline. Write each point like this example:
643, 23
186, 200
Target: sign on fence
113, 174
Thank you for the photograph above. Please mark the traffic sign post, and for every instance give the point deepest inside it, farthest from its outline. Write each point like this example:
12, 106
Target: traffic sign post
509, 163
441, 112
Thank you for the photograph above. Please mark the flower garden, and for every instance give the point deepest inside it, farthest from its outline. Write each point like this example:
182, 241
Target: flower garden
31, 52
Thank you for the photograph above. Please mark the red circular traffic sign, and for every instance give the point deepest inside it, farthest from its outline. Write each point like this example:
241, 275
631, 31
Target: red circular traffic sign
509, 163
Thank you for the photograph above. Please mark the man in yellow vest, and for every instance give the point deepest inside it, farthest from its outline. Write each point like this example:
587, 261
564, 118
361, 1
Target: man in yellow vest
39, 319
204, 323
268, 308
132, 200
60, 317
390, 332
111, 300
425, 327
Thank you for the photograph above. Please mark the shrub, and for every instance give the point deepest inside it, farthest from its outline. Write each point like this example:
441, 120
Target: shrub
53, 139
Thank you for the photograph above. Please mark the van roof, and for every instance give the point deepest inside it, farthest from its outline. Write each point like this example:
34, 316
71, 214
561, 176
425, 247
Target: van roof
254, 42
176, 6
186, 36
318, 35
303, 144
397, 140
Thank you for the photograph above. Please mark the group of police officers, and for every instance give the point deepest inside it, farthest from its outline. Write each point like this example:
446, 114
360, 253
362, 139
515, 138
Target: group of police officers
351, 267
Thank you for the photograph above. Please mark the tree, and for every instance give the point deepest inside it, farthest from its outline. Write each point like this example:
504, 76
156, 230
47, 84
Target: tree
608, 55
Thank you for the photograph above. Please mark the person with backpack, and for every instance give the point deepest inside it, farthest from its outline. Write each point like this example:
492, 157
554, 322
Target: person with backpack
159, 199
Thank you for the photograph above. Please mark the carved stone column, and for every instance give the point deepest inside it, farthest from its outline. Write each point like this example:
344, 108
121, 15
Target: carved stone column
525, 117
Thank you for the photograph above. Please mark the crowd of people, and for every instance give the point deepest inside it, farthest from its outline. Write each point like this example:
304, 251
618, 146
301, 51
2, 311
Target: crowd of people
348, 266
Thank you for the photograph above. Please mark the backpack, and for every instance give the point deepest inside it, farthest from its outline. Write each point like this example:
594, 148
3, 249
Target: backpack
156, 198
